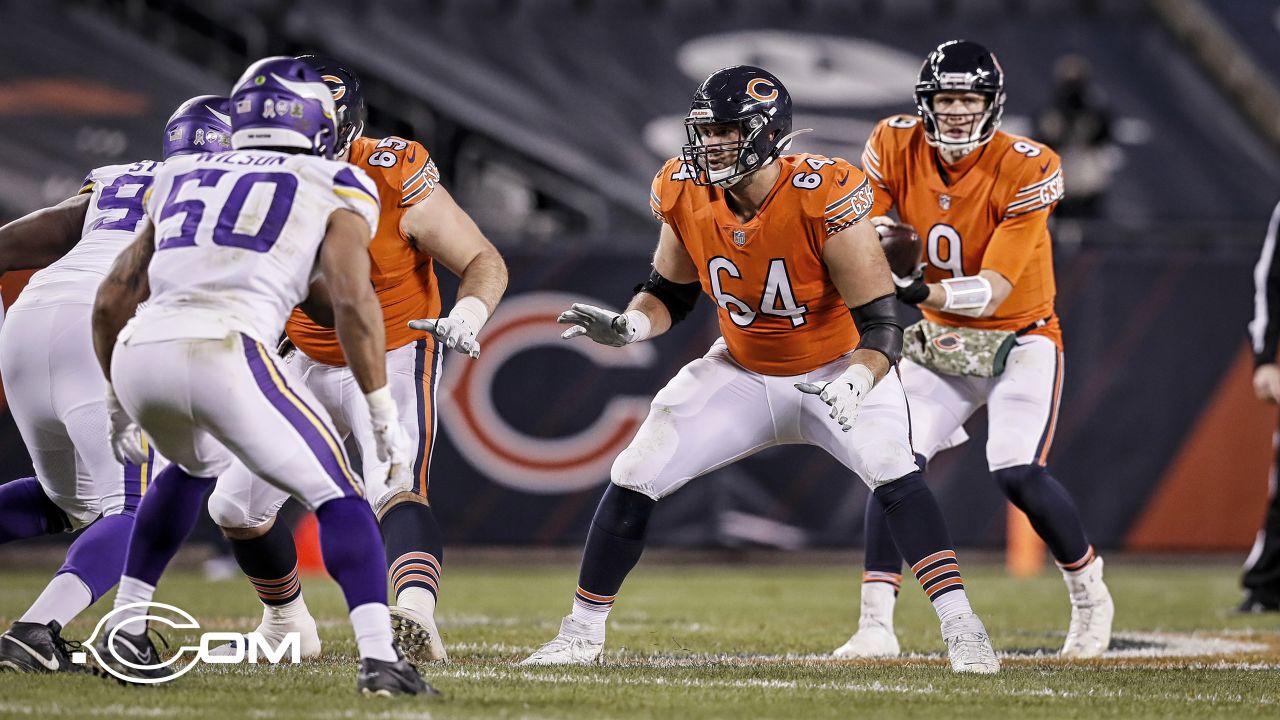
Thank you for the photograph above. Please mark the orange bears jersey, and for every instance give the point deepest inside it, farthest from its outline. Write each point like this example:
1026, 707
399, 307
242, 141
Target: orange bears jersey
989, 212
779, 312
402, 276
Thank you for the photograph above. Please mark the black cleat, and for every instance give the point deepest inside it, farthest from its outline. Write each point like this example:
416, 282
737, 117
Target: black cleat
35, 648
1257, 603
379, 677
135, 649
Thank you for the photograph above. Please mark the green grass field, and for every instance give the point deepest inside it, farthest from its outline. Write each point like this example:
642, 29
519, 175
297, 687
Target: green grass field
718, 640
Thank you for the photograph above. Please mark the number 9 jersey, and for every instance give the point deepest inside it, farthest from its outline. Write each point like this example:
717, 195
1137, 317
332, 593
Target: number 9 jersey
237, 239
779, 312
989, 211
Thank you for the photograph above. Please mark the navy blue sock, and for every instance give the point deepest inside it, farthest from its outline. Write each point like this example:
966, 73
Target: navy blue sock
270, 561
615, 543
166, 516
352, 550
1051, 511
882, 561
415, 547
920, 533
25, 511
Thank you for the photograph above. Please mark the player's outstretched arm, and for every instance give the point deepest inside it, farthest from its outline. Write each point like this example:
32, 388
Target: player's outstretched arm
39, 238
664, 299
443, 230
344, 262
121, 291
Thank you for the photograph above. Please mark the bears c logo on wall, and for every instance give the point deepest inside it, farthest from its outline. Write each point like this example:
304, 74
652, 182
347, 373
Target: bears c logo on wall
762, 89
513, 458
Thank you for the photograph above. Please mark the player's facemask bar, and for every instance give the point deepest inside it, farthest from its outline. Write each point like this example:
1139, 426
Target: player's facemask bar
982, 125
723, 164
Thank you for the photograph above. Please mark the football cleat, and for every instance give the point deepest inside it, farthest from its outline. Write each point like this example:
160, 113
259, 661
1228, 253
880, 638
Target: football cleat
35, 648
872, 640
132, 655
274, 629
417, 635
969, 646
1092, 612
576, 644
382, 678
1256, 603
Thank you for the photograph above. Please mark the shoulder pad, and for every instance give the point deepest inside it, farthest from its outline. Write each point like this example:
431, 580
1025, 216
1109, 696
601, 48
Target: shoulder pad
667, 185
1030, 176
832, 190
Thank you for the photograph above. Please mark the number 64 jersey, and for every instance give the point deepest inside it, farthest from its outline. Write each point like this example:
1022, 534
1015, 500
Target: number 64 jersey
779, 312
237, 239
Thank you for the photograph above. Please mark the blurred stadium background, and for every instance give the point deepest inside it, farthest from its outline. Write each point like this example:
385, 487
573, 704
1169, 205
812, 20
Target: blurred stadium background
549, 117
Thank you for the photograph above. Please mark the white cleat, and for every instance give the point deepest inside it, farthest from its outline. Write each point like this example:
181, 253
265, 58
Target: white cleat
1092, 612
274, 632
872, 640
577, 644
417, 635
969, 646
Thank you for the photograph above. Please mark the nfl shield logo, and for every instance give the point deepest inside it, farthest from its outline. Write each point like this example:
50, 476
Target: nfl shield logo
739, 237
944, 201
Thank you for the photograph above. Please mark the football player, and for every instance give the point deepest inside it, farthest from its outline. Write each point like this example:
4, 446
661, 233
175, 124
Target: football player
232, 243
981, 198
419, 224
56, 392
810, 341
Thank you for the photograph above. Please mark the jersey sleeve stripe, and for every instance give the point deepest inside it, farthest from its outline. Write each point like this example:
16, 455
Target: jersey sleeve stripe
414, 178
347, 184
867, 150
359, 194
409, 198
655, 205
1029, 189
835, 205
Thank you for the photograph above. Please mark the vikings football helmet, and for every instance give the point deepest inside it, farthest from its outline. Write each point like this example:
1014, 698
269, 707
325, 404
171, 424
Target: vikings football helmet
348, 97
201, 124
753, 99
962, 66
281, 102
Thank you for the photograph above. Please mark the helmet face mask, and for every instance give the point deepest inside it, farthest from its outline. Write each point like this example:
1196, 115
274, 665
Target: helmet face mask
960, 67
739, 122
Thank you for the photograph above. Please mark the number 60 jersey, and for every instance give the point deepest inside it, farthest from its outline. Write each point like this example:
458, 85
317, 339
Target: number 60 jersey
237, 239
779, 312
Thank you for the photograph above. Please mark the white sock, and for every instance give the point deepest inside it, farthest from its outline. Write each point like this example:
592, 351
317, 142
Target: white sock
878, 600
419, 600
952, 604
131, 590
65, 597
372, 625
285, 614
593, 617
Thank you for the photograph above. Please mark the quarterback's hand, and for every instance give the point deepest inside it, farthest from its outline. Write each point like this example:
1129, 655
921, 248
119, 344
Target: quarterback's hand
604, 326
390, 440
458, 331
126, 436
1266, 383
844, 394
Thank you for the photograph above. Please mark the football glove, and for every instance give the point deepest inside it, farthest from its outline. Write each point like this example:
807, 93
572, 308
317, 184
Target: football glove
844, 394
605, 326
126, 437
458, 331
390, 440
912, 290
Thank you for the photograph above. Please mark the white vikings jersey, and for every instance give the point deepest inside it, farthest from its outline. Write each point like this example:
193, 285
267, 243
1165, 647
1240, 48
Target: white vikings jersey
237, 240
113, 216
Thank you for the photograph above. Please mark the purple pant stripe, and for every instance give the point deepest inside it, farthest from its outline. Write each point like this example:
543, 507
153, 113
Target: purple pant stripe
334, 464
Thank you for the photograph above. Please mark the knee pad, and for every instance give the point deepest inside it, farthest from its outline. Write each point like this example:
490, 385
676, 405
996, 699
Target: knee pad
624, 513
227, 513
1013, 479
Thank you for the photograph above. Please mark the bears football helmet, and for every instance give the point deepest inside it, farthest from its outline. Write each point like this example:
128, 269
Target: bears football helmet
281, 102
961, 65
757, 103
348, 97
201, 124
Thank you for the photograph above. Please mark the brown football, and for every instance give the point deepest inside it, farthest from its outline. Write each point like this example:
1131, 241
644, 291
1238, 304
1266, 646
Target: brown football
901, 247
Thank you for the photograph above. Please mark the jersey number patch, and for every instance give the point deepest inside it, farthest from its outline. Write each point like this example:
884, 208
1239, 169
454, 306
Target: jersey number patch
229, 230
116, 197
777, 298
954, 260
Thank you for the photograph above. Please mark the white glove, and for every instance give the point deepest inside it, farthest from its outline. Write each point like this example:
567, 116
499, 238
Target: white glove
458, 331
126, 436
605, 326
392, 443
844, 394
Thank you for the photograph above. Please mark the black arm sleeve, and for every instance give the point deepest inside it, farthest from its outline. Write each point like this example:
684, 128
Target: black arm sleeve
678, 297
1264, 329
877, 323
